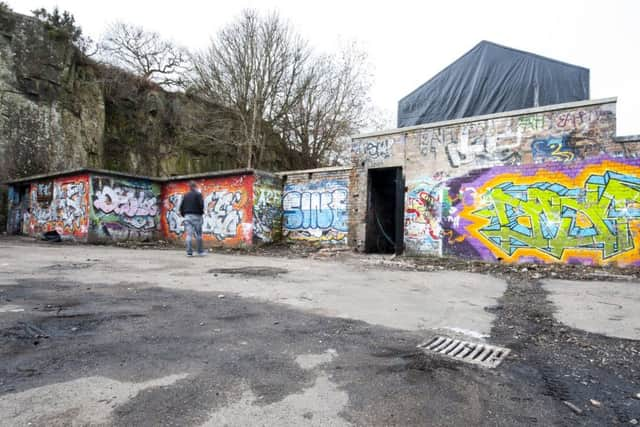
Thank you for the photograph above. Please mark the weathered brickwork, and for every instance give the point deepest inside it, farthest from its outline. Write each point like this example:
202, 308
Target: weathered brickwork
436, 158
315, 206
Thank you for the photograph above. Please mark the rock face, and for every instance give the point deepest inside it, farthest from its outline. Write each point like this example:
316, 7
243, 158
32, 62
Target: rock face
60, 110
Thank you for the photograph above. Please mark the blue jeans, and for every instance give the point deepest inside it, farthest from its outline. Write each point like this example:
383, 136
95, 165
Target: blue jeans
193, 227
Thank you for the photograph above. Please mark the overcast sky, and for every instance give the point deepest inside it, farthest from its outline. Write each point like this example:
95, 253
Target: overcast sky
410, 41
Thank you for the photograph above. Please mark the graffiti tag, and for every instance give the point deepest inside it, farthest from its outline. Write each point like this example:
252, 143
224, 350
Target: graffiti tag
316, 213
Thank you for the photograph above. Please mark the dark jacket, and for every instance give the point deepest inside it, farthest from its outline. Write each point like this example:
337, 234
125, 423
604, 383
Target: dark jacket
192, 203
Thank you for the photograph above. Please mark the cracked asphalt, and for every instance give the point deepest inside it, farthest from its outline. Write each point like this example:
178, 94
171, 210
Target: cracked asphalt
94, 335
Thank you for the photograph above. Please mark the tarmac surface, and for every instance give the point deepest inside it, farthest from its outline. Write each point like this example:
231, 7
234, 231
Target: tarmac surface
99, 335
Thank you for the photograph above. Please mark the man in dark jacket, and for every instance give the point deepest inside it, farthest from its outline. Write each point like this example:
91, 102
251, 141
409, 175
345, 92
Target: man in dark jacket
191, 209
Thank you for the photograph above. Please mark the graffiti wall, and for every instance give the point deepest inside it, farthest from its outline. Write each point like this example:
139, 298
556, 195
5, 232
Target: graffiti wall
60, 204
267, 209
228, 205
316, 211
552, 136
433, 156
424, 204
586, 213
124, 209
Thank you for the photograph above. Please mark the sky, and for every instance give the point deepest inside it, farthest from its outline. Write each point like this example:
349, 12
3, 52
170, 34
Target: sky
410, 41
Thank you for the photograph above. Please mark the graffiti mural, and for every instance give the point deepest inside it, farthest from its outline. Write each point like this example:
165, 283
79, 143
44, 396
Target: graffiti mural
589, 213
228, 204
124, 208
423, 210
65, 211
316, 211
267, 212
506, 141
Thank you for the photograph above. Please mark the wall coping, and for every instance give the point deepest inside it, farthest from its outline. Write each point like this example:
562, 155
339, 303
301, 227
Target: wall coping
95, 171
77, 171
534, 110
627, 138
316, 170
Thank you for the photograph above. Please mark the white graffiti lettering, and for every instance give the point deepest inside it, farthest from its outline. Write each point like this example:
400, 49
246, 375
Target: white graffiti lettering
124, 201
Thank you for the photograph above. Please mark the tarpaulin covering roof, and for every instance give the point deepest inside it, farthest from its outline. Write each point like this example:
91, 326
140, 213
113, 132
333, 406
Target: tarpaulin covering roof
491, 78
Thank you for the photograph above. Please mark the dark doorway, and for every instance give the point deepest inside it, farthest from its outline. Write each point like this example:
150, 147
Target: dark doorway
385, 211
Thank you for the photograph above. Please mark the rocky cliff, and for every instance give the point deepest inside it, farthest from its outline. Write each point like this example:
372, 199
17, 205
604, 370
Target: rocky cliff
61, 110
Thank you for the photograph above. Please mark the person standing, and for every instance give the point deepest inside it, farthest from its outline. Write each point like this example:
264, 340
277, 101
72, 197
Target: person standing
192, 209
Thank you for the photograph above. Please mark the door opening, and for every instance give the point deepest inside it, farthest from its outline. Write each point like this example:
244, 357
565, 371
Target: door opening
385, 211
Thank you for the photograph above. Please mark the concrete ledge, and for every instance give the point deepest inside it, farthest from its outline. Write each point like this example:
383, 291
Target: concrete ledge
512, 113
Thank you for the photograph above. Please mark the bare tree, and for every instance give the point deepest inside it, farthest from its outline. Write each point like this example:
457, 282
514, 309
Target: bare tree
255, 68
144, 53
332, 107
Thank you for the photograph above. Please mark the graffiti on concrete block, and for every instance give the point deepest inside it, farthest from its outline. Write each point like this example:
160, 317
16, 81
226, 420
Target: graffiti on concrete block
267, 213
316, 211
589, 214
125, 209
65, 212
227, 214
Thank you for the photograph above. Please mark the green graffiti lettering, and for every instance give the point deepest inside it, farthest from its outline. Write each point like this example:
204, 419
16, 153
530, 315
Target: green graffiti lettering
551, 218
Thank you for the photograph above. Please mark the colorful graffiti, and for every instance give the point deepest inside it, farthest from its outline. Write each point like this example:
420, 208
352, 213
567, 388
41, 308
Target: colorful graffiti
267, 212
66, 211
552, 149
589, 213
423, 209
316, 211
228, 204
124, 208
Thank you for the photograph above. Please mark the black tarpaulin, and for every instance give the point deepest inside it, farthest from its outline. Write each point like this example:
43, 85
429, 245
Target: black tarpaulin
491, 78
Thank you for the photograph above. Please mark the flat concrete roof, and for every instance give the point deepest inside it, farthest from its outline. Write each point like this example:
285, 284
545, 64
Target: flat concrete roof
94, 171
77, 171
512, 113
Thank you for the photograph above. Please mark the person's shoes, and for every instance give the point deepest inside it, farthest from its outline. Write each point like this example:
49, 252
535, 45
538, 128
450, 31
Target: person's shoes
202, 254
189, 254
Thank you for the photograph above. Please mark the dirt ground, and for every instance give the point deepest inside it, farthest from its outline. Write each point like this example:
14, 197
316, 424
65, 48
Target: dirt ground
99, 335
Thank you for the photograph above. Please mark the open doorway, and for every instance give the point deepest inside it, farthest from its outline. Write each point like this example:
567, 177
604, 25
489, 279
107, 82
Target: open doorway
385, 211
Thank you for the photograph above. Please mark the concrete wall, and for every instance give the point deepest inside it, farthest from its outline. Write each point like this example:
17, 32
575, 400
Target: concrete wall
315, 206
434, 157
124, 209
228, 216
59, 204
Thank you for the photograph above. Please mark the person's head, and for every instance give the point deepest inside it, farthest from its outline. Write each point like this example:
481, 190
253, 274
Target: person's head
193, 186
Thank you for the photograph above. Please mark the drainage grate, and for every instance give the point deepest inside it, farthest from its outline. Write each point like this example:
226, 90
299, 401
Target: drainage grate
480, 354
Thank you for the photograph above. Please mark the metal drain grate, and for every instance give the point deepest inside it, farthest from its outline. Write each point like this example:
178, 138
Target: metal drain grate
480, 354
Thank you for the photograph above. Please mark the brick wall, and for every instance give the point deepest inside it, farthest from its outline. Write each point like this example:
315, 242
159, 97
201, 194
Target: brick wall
433, 156
315, 205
